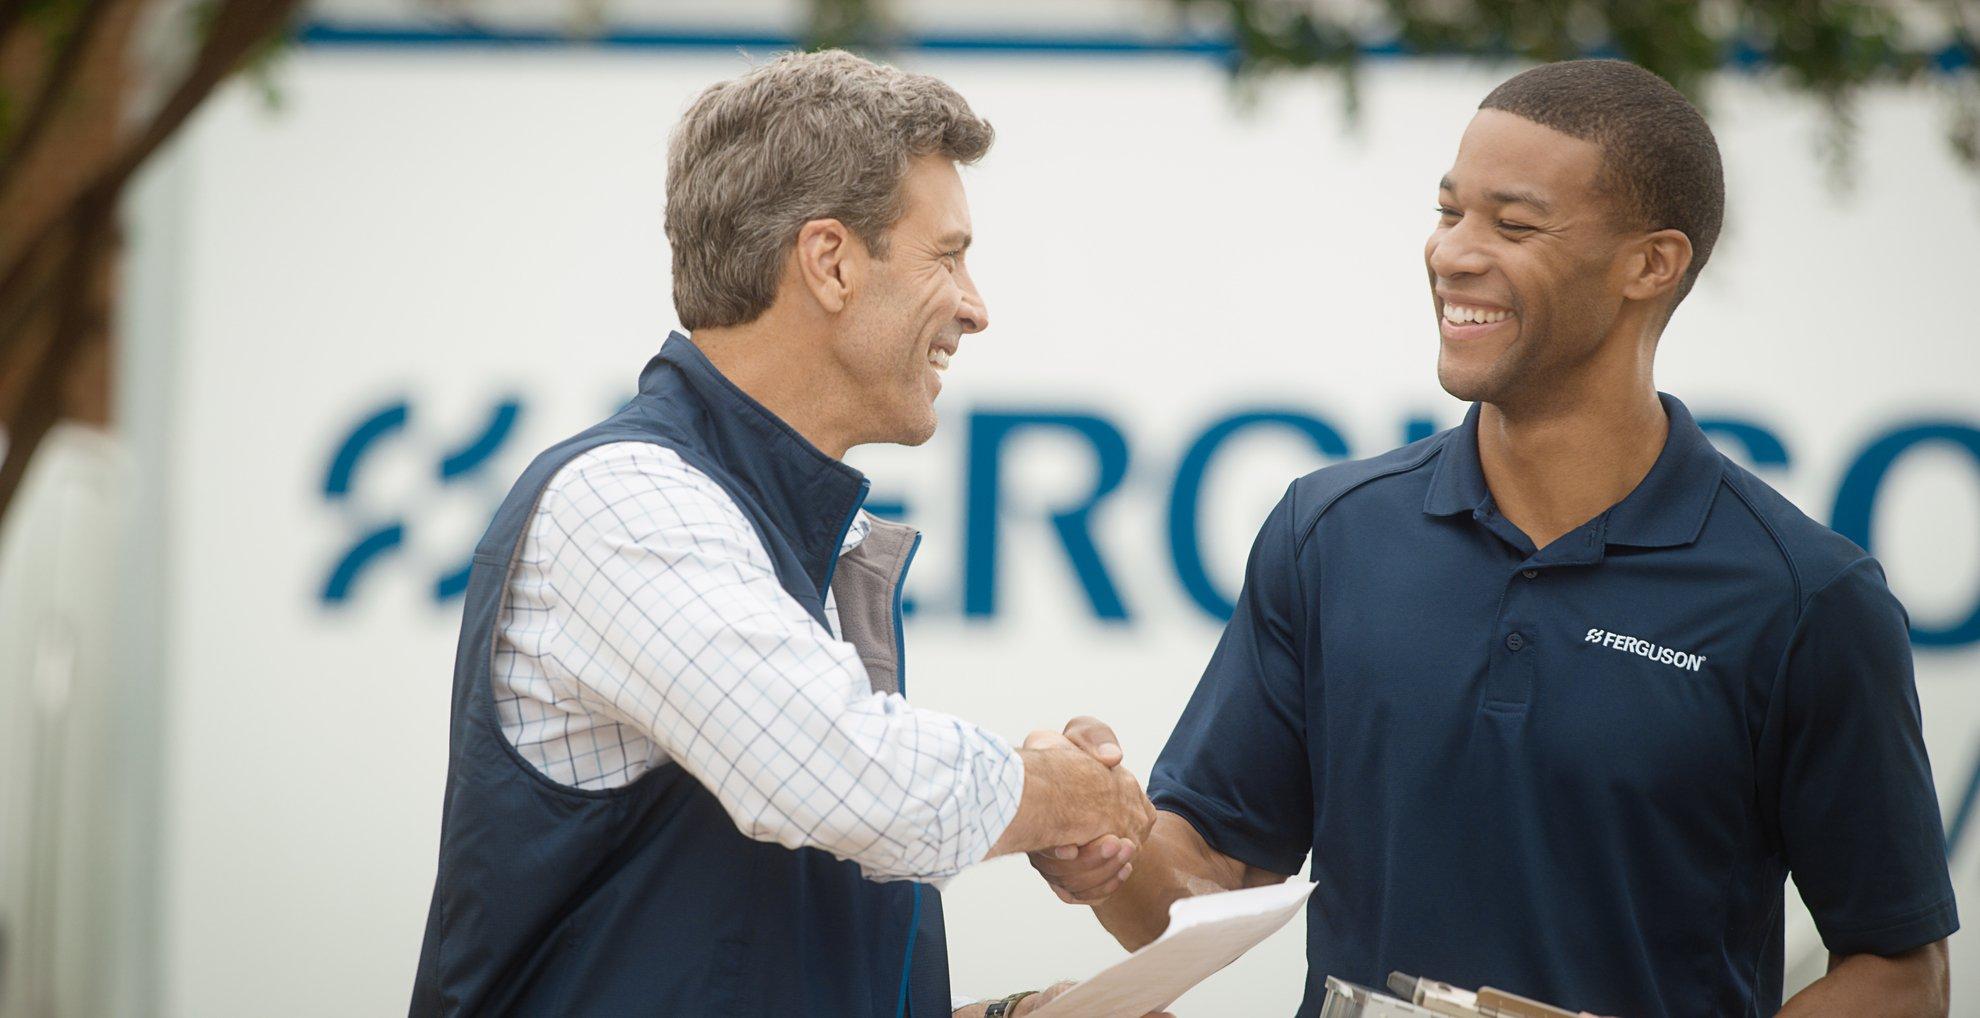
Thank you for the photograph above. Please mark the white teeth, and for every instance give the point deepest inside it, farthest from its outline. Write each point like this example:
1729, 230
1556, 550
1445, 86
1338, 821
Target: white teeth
939, 359
1462, 314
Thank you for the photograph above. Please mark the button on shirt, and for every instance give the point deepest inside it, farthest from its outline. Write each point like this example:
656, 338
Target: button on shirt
644, 624
1580, 773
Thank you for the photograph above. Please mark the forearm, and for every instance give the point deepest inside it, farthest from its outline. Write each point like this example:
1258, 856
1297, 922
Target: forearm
1175, 863
907, 794
929, 793
1915, 984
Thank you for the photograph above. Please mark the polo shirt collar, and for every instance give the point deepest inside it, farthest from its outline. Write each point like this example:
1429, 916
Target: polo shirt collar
1457, 485
1666, 509
1669, 506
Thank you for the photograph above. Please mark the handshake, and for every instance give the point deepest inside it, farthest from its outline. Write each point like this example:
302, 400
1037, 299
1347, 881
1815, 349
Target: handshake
1083, 816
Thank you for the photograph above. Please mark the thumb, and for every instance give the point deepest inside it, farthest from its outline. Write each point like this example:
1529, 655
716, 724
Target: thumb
1093, 736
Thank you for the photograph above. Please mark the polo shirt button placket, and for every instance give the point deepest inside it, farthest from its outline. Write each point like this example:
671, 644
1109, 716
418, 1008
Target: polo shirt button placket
1514, 642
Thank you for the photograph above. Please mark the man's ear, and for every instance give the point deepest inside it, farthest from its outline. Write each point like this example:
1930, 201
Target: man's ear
830, 262
1662, 258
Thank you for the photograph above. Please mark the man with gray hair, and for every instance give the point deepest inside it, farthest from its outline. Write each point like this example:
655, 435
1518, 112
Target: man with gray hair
683, 778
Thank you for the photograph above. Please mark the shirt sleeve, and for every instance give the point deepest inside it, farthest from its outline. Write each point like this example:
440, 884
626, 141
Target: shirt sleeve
693, 641
1236, 765
1849, 786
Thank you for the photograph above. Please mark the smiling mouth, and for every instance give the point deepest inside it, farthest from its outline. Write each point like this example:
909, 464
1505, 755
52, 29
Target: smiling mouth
1466, 314
1465, 320
938, 359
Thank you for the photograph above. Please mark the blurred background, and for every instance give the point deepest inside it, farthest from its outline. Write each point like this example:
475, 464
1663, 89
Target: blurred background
290, 291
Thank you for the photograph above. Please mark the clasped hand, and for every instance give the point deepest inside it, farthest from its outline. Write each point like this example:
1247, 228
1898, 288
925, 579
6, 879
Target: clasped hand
1090, 872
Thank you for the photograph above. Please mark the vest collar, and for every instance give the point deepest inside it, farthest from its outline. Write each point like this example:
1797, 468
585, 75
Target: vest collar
809, 496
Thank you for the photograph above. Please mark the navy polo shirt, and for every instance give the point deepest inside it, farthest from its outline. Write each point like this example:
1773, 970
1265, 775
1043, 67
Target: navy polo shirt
1579, 774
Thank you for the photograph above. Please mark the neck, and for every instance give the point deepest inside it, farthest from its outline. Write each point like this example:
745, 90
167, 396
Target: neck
779, 362
1554, 468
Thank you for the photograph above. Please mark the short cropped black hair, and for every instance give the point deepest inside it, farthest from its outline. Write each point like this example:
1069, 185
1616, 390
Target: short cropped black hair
1659, 158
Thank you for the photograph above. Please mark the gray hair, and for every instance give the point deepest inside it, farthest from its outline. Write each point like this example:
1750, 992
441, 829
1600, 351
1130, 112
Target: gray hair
825, 135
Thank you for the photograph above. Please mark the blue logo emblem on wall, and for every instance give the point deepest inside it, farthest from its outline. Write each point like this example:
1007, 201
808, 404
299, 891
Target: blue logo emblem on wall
376, 540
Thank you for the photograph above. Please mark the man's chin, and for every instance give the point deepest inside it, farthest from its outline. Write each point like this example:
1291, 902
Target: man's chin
914, 429
1468, 386
1480, 376
922, 431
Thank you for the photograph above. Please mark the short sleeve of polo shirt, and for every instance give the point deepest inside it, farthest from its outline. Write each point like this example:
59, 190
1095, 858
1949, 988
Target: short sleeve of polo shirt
1236, 765
1855, 810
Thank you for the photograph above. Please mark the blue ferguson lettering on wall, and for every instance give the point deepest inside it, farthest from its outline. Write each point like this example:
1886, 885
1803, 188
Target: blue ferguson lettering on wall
1856, 505
389, 419
1098, 437
377, 538
988, 432
1185, 537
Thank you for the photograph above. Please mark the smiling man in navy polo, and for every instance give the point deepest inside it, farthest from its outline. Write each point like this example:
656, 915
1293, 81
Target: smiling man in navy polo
1557, 699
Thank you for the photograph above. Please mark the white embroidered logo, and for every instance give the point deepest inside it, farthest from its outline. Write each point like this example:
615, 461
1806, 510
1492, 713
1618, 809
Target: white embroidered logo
1644, 648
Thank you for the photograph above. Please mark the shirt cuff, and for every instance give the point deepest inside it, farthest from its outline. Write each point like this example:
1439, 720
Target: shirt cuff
1004, 808
1239, 845
1901, 934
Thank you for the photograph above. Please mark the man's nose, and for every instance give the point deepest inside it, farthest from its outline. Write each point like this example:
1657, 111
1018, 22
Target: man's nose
974, 313
1453, 253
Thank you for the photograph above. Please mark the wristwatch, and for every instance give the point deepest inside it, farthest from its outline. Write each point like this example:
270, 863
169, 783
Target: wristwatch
1002, 1008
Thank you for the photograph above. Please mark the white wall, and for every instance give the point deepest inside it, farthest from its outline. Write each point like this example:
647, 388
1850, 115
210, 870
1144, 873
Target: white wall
451, 227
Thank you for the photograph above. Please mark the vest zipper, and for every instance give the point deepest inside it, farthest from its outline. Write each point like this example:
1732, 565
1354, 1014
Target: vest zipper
839, 545
900, 637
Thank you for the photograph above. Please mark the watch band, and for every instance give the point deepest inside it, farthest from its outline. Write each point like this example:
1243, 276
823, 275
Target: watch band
1002, 1008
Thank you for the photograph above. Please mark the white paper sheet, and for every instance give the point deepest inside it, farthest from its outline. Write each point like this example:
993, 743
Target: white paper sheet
1205, 934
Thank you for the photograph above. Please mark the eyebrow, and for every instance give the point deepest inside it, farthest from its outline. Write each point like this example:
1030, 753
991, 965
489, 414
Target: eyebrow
1527, 198
958, 240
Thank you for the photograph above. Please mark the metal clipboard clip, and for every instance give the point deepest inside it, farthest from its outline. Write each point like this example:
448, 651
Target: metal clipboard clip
1410, 997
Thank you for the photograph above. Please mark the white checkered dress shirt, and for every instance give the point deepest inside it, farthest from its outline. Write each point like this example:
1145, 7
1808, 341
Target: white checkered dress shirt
644, 623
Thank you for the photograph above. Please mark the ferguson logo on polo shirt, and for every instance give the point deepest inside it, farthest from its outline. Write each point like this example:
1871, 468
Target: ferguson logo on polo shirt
1644, 648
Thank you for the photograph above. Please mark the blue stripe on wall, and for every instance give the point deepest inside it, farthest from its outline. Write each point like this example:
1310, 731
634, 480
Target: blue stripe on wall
358, 34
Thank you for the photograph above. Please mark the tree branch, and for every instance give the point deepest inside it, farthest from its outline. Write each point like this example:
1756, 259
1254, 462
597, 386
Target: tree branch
55, 84
10, 15
236, 29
